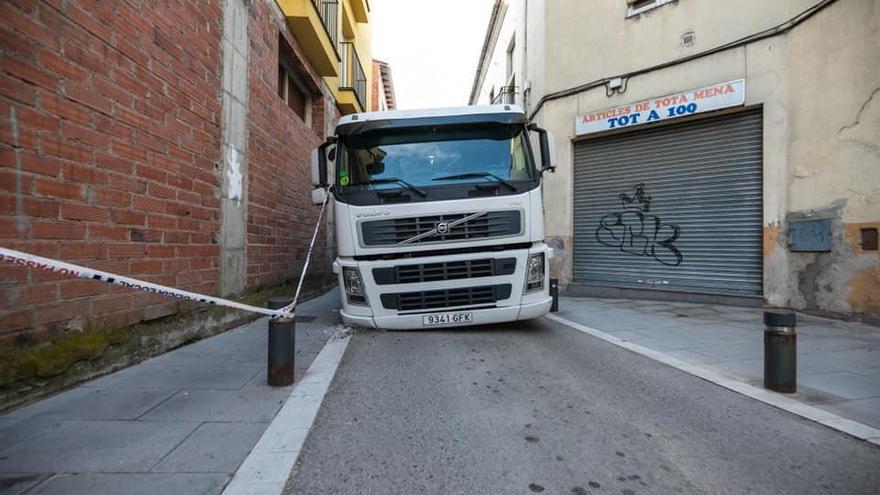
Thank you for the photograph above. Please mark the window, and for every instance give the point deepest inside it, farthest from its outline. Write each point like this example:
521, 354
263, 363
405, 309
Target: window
291, 91
636, 7
869, 239
435, 157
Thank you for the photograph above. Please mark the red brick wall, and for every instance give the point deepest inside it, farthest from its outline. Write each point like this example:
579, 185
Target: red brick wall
279, 211
377, 80
110, 140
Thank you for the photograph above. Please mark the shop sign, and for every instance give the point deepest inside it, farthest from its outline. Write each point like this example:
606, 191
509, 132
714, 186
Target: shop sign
714, 97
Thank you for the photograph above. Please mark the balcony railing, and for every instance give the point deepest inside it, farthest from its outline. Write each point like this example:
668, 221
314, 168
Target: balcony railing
328, 11
506, 96
353, 75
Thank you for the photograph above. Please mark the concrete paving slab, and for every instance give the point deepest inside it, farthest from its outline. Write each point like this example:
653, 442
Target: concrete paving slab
16, 483
661, 344
192, 357
14, 430
852, 360
871, 372
862, 410
132, 484
692, 356
152, 375
97, 446
844, 384
831, 343
746, 369
735, 352
213, 447
95, 403
248, 404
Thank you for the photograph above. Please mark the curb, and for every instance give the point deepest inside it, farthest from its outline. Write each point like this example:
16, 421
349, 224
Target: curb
266, 469
806, 411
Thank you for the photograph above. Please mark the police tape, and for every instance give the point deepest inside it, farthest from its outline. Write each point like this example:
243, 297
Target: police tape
76, 271
305, 267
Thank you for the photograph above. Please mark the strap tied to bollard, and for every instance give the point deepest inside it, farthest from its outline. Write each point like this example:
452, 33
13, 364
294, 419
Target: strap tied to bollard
290, 308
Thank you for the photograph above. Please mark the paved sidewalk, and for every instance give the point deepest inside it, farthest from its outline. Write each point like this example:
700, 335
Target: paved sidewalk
178, 423
838, 362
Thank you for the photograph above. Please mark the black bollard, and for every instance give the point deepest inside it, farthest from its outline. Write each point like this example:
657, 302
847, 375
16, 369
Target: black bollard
554, 293
282, 346
780, 351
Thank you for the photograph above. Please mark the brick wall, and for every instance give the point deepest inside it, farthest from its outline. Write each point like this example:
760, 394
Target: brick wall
377, 80
279, 211
110, 116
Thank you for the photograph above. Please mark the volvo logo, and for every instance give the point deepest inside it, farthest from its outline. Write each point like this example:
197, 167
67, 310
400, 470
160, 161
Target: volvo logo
373, 213
442, 228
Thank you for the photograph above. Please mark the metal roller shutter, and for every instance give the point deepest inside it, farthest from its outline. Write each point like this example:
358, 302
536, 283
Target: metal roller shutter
675, 208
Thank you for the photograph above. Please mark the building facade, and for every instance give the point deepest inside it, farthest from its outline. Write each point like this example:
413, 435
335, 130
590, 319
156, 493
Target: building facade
165, 141
383, 88
704, 152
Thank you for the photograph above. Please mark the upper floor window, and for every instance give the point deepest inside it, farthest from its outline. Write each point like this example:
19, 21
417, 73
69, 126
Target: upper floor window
290, 89
636, 7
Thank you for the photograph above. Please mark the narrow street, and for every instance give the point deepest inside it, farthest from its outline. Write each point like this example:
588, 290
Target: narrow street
381, 247
536, 407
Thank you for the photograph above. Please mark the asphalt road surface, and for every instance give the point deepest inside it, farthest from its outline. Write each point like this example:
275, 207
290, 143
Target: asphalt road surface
535, 407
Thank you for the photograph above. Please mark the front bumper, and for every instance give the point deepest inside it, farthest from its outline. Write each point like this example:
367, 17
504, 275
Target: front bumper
481, 317
517, 306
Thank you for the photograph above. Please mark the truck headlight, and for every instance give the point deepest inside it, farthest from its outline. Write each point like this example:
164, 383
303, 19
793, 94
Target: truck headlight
354, 289
535, 272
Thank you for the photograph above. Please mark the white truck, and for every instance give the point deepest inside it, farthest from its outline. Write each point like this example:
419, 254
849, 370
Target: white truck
439, 217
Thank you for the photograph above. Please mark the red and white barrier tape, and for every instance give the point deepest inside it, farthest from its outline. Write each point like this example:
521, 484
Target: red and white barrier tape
290, 307
76, 271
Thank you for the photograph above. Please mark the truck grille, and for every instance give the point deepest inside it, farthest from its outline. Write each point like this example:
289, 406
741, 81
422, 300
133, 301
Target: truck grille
436, 299
449, 270
396, 230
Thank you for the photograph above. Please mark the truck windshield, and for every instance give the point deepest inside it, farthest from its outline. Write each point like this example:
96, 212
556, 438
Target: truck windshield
435, 158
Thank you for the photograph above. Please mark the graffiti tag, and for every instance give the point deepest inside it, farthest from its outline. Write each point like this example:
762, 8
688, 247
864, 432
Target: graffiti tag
634, 231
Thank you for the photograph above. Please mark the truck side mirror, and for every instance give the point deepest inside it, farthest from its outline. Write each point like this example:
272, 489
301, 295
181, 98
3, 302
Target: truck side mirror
319, 163
319, 195
547, 143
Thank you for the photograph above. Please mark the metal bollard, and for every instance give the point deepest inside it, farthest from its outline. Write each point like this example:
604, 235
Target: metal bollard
780, 351
554, 293
282, 346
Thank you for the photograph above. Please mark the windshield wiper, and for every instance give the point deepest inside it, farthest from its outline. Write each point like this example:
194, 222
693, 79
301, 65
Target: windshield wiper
395, 180
474, 175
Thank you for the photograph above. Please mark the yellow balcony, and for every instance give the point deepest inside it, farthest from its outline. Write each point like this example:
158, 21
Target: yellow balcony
348, 102
352, 96
360, 9
315, 25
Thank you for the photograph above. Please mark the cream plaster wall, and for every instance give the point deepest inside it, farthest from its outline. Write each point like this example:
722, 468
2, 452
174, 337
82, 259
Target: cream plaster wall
818, 85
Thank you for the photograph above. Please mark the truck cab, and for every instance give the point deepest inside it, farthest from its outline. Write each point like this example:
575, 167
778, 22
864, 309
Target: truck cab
438, 215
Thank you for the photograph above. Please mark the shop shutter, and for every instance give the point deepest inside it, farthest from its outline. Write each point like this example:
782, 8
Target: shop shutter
677, 207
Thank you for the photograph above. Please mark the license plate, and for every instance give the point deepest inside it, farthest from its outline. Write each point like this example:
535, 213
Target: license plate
447, 319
